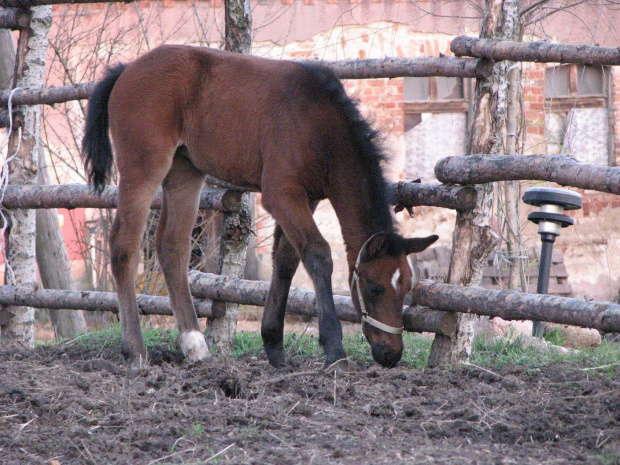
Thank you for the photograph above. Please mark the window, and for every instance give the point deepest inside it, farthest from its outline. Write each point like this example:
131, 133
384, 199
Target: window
577, 118
435, 120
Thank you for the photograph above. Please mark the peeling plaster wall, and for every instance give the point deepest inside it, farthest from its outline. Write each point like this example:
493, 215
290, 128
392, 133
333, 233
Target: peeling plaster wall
586, 135
437, 136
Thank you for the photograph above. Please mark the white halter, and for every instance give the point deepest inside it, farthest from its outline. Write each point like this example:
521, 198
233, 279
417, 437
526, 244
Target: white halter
365, 317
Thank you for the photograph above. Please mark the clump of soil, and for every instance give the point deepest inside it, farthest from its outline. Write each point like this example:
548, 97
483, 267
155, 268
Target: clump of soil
63, 405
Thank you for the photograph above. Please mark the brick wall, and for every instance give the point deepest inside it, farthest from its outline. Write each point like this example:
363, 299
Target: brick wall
533, 99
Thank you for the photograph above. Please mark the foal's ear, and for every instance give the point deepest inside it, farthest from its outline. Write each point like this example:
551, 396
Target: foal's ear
377, 247
418, 244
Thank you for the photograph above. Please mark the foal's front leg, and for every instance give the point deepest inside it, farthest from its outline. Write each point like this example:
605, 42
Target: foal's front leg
292, 212
285, 264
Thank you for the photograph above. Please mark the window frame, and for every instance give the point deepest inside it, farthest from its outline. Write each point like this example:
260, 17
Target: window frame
434, 105
565, 103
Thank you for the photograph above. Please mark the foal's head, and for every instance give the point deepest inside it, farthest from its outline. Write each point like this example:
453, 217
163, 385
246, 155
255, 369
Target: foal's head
381, 278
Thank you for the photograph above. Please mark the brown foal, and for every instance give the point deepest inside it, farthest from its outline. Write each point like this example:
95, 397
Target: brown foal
282, 128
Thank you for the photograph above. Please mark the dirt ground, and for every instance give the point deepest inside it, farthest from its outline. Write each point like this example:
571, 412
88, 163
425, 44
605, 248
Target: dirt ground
62, 405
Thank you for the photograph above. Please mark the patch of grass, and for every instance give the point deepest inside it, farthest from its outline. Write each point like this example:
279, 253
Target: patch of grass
416, 351
605, 358
555, 337
251, 431
246, 343
301, 345
415, 354
486, 352
111, 336
296, 345
497, 352
197, 430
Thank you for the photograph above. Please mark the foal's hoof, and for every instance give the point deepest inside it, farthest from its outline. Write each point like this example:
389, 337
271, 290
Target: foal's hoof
136, 359
194, 346
338, 365
276, 357
138, 363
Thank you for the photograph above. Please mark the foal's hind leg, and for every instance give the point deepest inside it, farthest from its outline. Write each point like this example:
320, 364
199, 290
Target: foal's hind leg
285, 263
136, 190
172, 241
290, 209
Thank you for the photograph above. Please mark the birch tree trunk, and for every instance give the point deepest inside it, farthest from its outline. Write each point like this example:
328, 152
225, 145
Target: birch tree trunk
236, 226
54, 265
512, 189
7, 59
17, 322
473, 238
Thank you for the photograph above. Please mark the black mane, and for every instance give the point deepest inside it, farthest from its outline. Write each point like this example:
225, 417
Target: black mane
371, 155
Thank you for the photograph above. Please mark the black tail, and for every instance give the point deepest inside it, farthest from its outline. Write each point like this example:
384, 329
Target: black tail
96, 147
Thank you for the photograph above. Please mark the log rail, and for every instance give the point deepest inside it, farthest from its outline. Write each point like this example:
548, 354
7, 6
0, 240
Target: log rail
207, 287
539, 51
91, 301
514, 305
561, 169
81, 196
404, 195
433, 309
344, 69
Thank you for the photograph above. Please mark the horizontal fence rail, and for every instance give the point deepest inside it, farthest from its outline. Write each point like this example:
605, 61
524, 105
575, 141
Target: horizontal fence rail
371, 68
72, 196
540, 51
47, 95
302, 302
208, 287
31, 3
514, 305
91, 301
433, 311
344, 69
81, 196
561, 169
414, 194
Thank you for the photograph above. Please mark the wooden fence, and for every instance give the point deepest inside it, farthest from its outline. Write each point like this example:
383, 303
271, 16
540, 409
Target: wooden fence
441, 300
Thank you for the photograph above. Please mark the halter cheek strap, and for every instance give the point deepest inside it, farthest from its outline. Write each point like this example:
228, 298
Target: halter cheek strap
355, 281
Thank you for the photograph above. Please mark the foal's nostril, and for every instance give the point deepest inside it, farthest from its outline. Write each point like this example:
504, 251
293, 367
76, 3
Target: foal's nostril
385, 355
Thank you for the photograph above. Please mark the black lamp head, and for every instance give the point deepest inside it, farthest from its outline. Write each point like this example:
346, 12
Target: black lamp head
539, 196
552, 202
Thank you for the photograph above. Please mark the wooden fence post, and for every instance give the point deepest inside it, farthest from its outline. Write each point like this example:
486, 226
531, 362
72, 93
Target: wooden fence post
236, 226
473, 238
18, 322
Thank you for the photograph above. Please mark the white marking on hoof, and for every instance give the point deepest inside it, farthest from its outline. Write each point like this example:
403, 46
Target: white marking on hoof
194, 346
395, 279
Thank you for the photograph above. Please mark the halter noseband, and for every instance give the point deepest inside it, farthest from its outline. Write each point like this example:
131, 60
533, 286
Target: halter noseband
365, 317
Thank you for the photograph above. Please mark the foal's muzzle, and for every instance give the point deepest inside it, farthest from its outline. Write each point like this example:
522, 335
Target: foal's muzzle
385, 355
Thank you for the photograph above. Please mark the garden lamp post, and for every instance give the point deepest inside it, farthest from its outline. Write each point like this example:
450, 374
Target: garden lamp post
550, 220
